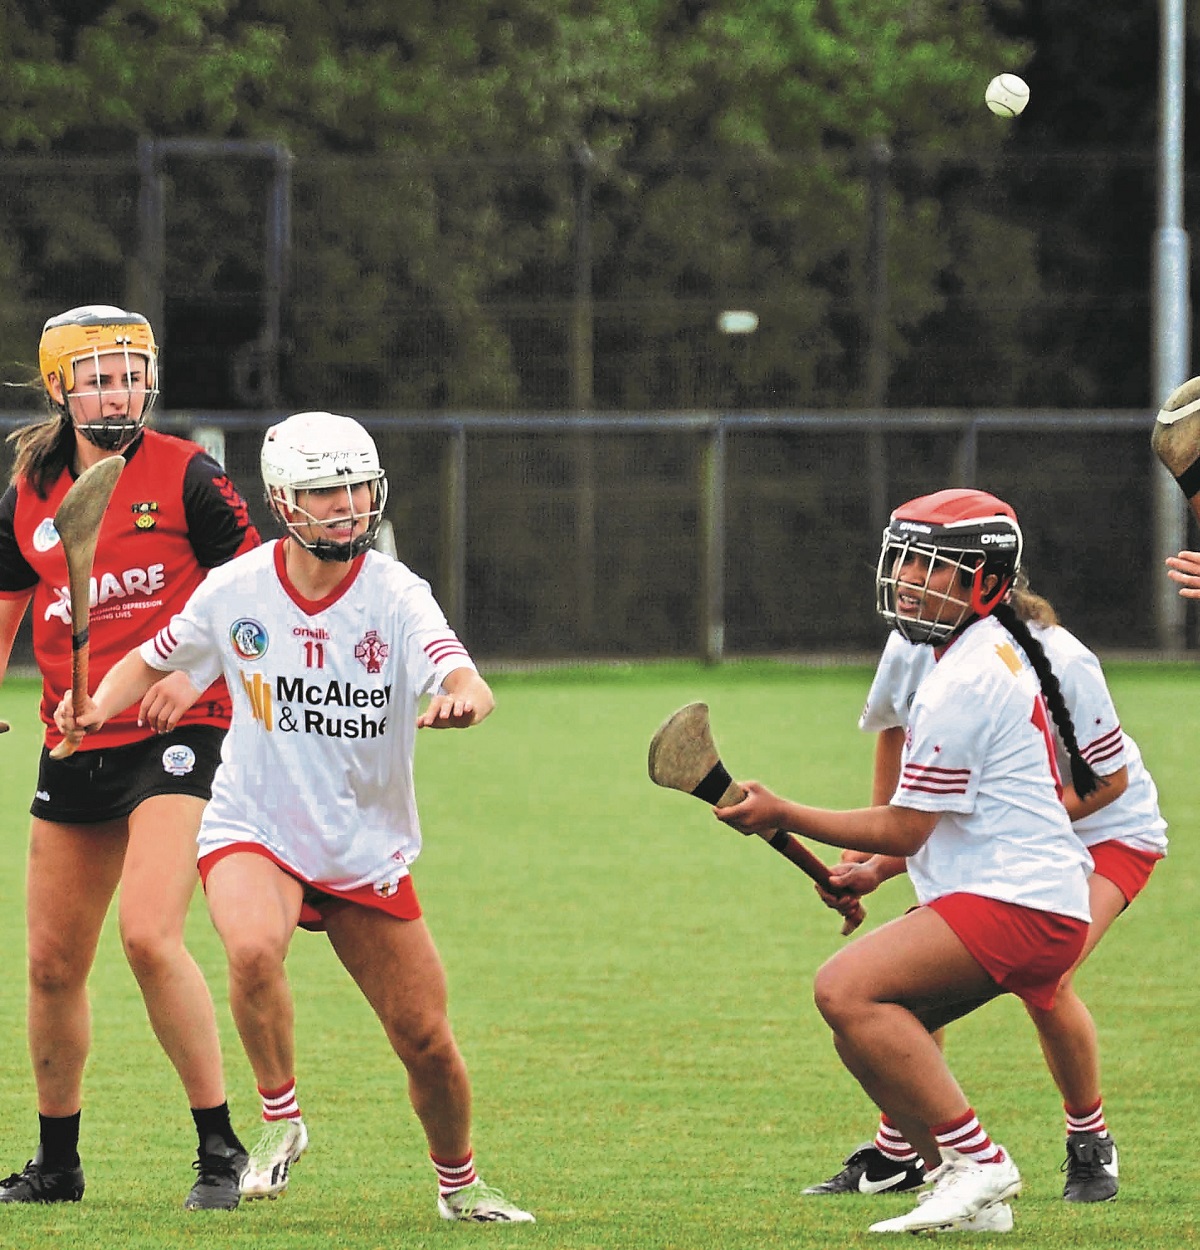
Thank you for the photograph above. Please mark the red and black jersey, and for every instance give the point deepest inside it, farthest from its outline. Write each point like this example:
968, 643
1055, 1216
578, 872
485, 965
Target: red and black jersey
173, 516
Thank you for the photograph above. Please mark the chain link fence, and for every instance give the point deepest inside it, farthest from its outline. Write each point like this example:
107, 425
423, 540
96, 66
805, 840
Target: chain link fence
523, 285
730, 535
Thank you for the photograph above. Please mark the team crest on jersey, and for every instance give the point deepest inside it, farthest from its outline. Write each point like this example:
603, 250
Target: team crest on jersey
249, 638
389, 886
144, 514
371, 651
179, 760
45, 536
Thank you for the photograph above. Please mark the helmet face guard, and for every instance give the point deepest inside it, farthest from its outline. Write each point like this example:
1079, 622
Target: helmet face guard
87, 334
321, 451
936, 559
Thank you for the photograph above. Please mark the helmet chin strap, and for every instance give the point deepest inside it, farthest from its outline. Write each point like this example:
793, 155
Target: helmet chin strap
981, 606
294, 517
110, 435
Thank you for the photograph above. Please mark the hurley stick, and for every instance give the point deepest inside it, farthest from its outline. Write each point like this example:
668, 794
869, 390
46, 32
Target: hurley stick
1176, 440
683, 756
78, 524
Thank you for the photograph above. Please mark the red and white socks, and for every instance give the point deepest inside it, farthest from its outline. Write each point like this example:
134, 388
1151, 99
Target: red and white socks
892, 1144
454, 1174
281, 1103
965, 1135
1089, 1120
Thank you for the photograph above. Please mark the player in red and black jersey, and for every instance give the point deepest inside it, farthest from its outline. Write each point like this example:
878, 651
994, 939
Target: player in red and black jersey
125, 807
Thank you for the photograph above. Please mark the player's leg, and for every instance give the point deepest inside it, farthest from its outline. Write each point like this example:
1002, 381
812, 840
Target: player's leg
1067, 1035
882, 997
72, 873
399, 971
157, 886
879, 996
254, 907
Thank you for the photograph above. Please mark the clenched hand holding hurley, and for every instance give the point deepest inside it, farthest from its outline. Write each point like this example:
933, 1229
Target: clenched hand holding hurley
77, 521
683, 756
1176, 439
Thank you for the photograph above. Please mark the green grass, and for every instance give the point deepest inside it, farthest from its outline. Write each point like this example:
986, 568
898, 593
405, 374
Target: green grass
630, 983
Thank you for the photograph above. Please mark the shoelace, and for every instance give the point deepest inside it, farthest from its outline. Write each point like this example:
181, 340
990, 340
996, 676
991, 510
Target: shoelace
272, 1139
1084, 1160
216, 1167
477, 1194
949, 1175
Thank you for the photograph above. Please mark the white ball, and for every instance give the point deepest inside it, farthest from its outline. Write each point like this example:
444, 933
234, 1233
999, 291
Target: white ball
1007, 95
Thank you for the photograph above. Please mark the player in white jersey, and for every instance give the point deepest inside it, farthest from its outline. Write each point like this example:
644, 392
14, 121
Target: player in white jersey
327, 647
977, 822
1124, 830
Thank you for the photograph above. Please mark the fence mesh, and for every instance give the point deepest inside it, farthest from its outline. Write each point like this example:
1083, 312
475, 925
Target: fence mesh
558, 539
532, 285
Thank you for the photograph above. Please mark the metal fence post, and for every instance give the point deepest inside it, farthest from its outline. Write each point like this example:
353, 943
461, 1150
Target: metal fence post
452, 561
712, 544
148, 294
583, 161
1171, 313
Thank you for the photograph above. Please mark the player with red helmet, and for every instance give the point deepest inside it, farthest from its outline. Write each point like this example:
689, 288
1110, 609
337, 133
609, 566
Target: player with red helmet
978, 823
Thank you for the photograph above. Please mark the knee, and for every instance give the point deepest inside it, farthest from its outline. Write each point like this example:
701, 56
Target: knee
834, 998
145, 950
253, 963
54, 969
427, 1044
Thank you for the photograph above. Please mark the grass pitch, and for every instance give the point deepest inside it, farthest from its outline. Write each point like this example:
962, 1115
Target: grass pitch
630, 983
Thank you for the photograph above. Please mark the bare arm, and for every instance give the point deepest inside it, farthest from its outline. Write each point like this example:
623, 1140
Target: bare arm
125, 683
467, 699
1110, 789
880, 830
889, 747
11, 613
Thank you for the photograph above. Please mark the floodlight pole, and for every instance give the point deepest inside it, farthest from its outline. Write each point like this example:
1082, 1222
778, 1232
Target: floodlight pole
1171, 327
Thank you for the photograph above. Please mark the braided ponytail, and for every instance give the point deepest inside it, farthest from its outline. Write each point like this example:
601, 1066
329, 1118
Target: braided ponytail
1083, 778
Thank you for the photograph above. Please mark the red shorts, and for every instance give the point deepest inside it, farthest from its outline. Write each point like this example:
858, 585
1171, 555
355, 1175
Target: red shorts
320, 899
1125, 866
1025, 951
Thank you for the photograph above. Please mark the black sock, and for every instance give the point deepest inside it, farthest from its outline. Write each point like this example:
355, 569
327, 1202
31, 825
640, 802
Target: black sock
59, 1137
214, 1122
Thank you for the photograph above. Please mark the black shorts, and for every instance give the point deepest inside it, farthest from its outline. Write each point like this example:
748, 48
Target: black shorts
108, 783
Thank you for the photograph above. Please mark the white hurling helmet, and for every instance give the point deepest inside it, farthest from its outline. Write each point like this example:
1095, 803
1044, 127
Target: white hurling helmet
314, 450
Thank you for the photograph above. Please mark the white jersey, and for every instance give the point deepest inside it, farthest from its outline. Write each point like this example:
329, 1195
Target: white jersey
1134, 817
978, 750
318, 764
